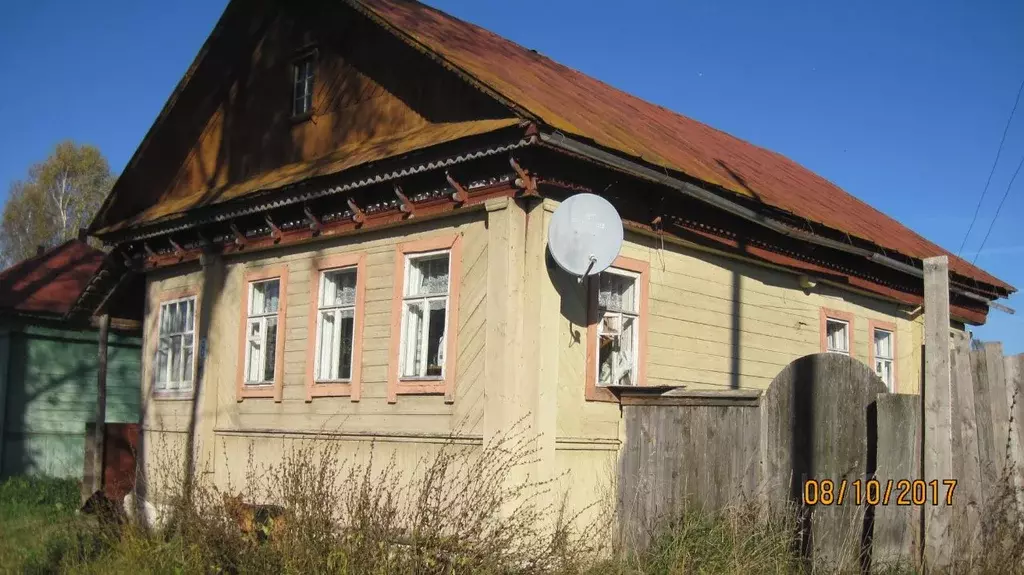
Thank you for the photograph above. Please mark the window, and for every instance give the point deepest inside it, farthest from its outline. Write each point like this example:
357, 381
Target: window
425, 315
303, 72
175, 364
335, 334
883, 356
617, 301
618, 327
837, 336
261, 332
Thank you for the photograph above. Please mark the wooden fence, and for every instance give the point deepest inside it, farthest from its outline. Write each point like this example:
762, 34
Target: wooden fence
825, 417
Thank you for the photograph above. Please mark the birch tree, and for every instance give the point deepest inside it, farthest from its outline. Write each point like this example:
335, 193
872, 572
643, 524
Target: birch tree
60, 195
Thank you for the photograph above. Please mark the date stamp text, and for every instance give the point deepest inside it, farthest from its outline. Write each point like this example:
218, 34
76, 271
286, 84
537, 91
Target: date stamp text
875, 492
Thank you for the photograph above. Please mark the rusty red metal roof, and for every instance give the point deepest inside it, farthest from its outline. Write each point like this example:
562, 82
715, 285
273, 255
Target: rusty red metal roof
577, 104
49, 283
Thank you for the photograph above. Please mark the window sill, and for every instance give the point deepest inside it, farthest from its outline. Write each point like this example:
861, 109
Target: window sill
254, 391
422, 386
330, 389
300, 118
173, 395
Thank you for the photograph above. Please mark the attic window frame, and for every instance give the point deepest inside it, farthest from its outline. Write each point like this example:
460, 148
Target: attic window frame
312, 54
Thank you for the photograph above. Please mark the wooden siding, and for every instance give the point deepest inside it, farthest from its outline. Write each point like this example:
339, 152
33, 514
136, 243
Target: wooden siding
374, 97
51, 394
698, 326
221, 414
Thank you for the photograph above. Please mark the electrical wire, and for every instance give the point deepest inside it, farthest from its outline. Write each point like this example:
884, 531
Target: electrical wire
1000, 207
992, 171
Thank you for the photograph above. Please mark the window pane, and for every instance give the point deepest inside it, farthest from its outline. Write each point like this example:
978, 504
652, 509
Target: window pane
265, 297
435, 337
345, 343
836, 336
252, 371
190, 315
175, 358
883, 344
162, 356
412, 359
163, 319
339, 288
325, 367
428, 275
606, 346
617, 292
624, 373
269, 354
186, 363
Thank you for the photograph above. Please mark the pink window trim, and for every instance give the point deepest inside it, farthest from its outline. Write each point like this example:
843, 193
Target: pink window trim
273, 391
827, 314
352, 389
891, 328
592, 391
446, 386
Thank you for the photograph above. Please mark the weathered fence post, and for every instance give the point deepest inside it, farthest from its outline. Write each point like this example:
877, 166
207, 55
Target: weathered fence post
937, 398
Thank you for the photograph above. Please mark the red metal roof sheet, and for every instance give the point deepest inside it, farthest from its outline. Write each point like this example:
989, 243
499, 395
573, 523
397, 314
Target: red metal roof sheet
49, 283
575, 103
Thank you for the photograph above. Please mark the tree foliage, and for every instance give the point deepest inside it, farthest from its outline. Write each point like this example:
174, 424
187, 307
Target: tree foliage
60, 195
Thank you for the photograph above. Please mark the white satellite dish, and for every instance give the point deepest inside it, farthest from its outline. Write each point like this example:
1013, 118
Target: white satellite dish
585, 235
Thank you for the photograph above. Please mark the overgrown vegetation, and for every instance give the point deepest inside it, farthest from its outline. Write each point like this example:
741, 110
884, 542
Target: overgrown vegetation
465, 509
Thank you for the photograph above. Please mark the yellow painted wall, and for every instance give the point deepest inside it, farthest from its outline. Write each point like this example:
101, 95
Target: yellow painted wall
522, 356
237, 424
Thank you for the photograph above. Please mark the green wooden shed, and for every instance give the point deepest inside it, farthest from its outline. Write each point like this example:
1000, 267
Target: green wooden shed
49, 363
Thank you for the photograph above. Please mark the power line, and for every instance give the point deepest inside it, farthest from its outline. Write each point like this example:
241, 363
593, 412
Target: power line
1000, 207
992, 171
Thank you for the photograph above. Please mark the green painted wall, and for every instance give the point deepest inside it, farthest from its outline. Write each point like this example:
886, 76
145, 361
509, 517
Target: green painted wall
50, 394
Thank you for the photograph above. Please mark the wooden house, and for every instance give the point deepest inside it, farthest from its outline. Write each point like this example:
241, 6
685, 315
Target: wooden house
48, 364
341, 217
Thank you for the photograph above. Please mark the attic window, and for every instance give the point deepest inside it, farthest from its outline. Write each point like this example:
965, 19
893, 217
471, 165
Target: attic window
303, 75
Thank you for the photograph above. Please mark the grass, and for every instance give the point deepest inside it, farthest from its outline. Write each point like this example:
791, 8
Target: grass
457, 513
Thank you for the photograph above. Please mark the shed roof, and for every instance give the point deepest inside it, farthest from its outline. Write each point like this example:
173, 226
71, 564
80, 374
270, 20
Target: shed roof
51, 282
577, 104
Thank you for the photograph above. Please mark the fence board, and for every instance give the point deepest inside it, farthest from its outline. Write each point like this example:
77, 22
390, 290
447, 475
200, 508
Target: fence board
987, 457
967, 467
816, 416
897, 527
1014, 369
681, 456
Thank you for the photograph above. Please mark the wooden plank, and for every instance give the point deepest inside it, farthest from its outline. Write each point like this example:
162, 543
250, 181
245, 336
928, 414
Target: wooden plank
815, 418
999, 398
938, 405
968, 500
1014, 369
987, 452
896, 527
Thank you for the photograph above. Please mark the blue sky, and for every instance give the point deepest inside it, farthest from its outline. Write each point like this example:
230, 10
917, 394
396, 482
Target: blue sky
900, 103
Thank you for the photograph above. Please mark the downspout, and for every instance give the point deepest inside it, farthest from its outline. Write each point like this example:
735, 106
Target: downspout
576, 147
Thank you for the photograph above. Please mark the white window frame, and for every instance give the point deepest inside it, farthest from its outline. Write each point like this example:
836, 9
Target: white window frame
891, 359
602, 313
303, 83
336, 311
425, 302
846, 331
180, 384
261, 319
